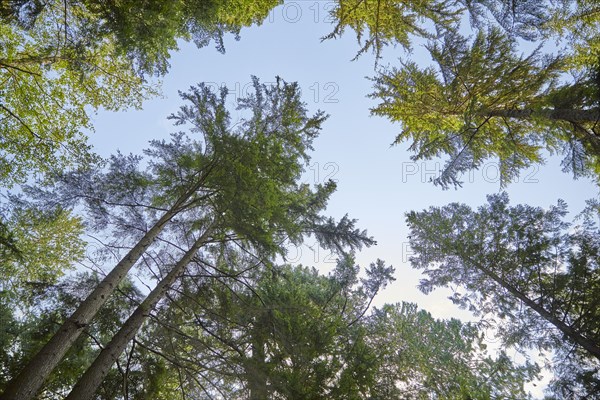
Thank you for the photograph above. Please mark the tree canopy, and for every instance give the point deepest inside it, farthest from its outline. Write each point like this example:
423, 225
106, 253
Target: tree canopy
187, 296
486, 96
228, 182
527, 272
233, 328
62, 60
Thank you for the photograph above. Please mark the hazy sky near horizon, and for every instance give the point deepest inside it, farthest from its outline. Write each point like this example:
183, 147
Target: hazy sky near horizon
377, 183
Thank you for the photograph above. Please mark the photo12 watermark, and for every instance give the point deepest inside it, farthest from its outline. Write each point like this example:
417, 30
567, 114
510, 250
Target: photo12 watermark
293, 12
489, 172
317, 92
309, 254
319, 173
406, 252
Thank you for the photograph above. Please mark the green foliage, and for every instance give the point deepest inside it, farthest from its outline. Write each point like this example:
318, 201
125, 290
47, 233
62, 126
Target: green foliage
531, 275
280, 332
486, 101
43, 245
577, 25
48, 91
291, 333
527, 19
236, 183
381, 23
416, 351
482, 98
242, 177
378, 24
29, 331
8, 246
46, 242
60, 61
148, 31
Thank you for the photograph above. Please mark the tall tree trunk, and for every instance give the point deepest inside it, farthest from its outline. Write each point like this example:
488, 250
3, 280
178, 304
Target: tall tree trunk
557, 114
255, 369
589, 345
90, 381
32, 377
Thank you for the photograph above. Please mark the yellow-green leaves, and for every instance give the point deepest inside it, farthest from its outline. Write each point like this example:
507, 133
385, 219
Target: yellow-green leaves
48, 244
239, 13
378, 23
484, 100
48, 90
61, 61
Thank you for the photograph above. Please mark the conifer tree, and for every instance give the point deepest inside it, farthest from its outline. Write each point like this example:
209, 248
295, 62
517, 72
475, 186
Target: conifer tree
240, 175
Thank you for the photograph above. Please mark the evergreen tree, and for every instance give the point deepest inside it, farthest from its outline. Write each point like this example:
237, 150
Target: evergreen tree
530, 274
482, 98
486, 101
242, 177
422, 357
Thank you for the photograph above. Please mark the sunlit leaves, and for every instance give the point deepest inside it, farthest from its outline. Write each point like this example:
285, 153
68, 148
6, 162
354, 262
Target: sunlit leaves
61, 61
390, 22
48, 243
486, 101
47, 96
488, 96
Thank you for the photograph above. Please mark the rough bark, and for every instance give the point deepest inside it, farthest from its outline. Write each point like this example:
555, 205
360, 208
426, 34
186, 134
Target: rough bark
257, 379
587, 344
571, 115
31, 379
90, 381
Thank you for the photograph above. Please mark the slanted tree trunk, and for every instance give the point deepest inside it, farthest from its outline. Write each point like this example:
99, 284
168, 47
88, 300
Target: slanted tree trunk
32, 377
88, 384
555, 114
587, 344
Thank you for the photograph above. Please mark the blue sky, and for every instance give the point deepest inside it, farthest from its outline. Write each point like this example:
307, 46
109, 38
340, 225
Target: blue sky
377, 183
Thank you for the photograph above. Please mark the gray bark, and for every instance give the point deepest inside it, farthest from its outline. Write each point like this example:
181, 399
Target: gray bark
567, 330
90, 381
31, 379
573, 115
